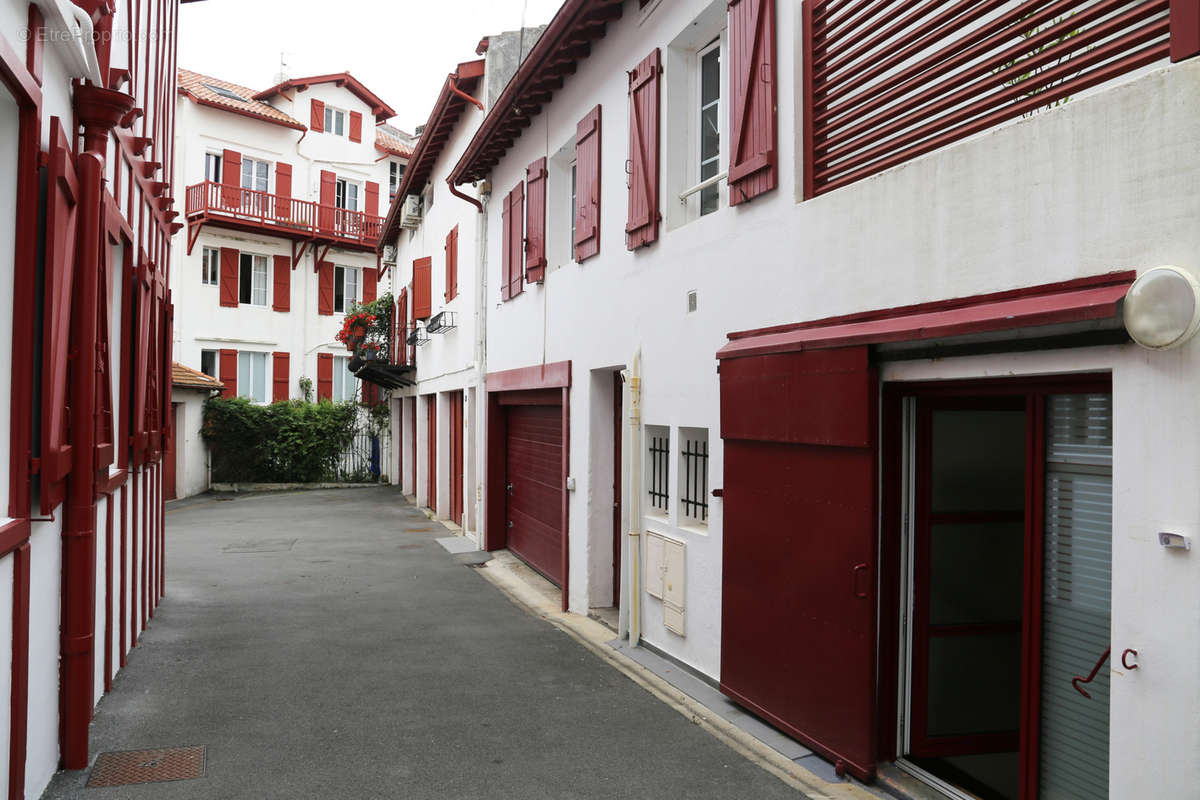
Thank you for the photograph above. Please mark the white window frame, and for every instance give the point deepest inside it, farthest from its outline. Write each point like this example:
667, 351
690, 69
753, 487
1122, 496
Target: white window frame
346, 194
395, 175
210, 266
256, 179
337, 121
213, 163
715, 160
252, 376
340, 274
695, 491
216, 355
345, 383
258, 288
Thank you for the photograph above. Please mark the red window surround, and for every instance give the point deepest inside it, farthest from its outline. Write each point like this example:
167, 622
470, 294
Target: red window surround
535, 221
641, 228
587, 186
452, 264
753, 124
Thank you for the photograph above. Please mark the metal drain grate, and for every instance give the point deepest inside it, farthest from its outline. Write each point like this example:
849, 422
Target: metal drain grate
147, 766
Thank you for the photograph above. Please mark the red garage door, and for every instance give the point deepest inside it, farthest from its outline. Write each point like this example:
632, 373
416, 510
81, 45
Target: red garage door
534, 477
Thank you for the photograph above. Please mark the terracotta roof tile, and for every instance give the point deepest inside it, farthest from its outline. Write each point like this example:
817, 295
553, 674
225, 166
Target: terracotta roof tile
215, 92
391, 144
192, 379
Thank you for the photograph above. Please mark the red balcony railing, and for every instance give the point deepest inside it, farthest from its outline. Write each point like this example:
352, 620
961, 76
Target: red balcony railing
886, 82
289, 216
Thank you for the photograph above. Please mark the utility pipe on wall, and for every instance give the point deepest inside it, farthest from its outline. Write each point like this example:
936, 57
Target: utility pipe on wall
634, 549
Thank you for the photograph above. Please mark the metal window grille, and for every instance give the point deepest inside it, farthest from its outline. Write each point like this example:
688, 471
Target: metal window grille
659, 472
694, 493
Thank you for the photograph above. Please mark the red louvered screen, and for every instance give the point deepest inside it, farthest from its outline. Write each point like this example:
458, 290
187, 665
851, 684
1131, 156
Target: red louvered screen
355, 126
279, 376
372, 199
587, 186
370, 284
884, 88
229, 277
452, 264
282, 289
317, 119
535, 221
422, 293
324, 376
283, 190
753, 123
231, 179
516, 240
62, 211
644, 92
325, 288
227, 369
326, 210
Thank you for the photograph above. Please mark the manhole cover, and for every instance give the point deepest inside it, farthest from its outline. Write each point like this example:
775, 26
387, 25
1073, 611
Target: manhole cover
147, 766
260, 546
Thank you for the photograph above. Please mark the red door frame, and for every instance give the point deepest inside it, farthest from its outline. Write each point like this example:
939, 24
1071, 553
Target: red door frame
412, 445
512, 386
431, 447
456, 456
1033, 389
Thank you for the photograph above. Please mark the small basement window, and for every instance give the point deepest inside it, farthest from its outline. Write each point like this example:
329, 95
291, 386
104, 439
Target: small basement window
658, 468
693, 476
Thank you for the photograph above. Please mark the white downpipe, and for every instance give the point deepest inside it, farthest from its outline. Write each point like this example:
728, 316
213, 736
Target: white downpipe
634, 550
73, 20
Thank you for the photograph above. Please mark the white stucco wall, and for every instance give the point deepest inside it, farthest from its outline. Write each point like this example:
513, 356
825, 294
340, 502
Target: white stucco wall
191, 452
1106, 182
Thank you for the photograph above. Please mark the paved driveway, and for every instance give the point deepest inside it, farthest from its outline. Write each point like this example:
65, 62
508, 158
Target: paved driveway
323, 645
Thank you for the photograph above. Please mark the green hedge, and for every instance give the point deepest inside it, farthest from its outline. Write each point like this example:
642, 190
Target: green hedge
286, 442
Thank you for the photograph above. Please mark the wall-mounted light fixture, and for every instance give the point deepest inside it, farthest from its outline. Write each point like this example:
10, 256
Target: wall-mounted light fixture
1162, 308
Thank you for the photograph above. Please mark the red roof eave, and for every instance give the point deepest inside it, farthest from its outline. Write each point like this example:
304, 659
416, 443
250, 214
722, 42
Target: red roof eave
241, 112
380, 109
1074, 301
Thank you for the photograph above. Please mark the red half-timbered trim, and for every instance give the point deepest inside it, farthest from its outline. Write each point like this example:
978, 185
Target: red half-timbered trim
422, 291
452, 264
535, 221
324, 376
641, 227
587, 186
753, 123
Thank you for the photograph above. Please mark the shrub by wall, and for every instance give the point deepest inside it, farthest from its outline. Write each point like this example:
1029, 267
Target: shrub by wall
286, 442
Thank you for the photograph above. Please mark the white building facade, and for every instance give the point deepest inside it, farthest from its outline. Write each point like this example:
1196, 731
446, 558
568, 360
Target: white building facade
285, 191
808, 344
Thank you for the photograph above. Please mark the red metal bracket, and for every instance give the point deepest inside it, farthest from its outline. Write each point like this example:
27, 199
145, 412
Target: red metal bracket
1079, 680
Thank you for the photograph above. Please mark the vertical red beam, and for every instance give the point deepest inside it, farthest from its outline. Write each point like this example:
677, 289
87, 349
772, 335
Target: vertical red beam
124, 603
108, 591
133, 559
1185, 29
145, 571
566, 496
19, 696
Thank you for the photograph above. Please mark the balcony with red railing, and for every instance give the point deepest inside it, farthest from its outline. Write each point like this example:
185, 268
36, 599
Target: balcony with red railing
211, 203
887, 82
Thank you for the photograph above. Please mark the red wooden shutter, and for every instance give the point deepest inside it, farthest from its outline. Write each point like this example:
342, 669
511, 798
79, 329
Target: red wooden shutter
231, 178
372, 199
535, 222
283, 189
325, 288
324, 376
400, 354
506, 247
283, 284
799, 431
61, 226
370, 279
642, 226
355, 126
516, 218
753, 155
452, 264
317, 121
281, 366
228, 369
229, 277
328, 199
422, 291
587, 186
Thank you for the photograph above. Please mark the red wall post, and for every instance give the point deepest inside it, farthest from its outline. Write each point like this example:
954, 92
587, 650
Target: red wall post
1185, 29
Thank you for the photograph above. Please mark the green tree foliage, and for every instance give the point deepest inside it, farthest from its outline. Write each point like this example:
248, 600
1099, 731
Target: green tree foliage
285, 442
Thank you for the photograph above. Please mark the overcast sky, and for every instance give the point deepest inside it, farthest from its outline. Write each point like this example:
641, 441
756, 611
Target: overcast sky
401, 49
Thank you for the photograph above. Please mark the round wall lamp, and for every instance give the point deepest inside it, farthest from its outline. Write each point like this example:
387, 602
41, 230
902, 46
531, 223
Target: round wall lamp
1162, 308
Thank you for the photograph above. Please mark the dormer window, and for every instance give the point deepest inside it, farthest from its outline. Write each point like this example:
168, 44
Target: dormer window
335, 121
